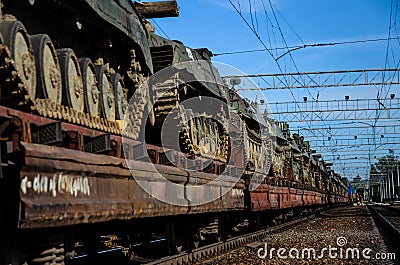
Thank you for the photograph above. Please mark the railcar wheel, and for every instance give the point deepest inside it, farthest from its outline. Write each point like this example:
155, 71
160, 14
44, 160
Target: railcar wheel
72, 84
121, 102
178, 246
107, 99
17, 40
90, 87
175, 238
48, 73
217, 238
195, 242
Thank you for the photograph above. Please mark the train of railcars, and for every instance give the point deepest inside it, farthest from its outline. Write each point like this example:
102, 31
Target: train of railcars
69, 166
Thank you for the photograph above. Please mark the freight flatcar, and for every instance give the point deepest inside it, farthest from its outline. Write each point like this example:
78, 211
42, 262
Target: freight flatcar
80, 177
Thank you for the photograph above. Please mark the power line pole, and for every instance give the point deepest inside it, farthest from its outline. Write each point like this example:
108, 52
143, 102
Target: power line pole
392, 186
398, 182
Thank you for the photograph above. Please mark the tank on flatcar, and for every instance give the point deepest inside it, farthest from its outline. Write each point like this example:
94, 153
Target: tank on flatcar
186, 78
79, 61
251, 128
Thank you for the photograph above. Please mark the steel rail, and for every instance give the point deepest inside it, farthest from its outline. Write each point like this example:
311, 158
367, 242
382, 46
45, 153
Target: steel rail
219, 248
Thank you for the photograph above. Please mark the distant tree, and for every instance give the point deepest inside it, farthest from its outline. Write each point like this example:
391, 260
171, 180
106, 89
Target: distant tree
383, 168
387, 164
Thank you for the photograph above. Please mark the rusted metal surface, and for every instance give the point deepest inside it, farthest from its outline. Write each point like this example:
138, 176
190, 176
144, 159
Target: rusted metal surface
76, 136
260, 198
62, 187
146, 206
296, 197
59, 187
285, 200
319, 198
38, 120
309, 197
274, 197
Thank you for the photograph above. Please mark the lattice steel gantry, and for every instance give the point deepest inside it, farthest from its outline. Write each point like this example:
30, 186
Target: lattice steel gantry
324, 79
340, 128
336, 110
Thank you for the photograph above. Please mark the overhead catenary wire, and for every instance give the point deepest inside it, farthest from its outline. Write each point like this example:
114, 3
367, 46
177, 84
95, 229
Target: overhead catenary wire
276, 51
395, 21
160, 28
380, 90
289, 51
290, 26
394, 25
261, 41
297, 47
268, 22
255, 15
264, 45
292, 59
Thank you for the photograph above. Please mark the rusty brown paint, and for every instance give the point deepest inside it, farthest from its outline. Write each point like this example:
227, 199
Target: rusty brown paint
62, 187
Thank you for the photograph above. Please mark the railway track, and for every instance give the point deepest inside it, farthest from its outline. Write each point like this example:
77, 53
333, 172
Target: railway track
344, 228
215, 249
388, 221
80, 180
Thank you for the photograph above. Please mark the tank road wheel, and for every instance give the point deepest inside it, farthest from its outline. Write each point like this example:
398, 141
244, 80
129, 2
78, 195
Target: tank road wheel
90, 87
121, 102
48, 74
71, 80
17, 40
107, 100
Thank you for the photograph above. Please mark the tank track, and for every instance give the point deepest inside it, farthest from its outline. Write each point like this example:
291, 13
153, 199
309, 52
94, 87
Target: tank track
254, 147
224, 139
14, 87
139, 100
11, 85
192, 125
15, 94
49, 109
167, 102
196, 147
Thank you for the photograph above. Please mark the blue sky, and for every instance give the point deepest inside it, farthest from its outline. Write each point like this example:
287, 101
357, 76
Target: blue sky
216, 25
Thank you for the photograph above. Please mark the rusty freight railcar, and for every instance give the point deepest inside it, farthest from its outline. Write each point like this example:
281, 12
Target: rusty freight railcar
80, 86
287, 192
69, 69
